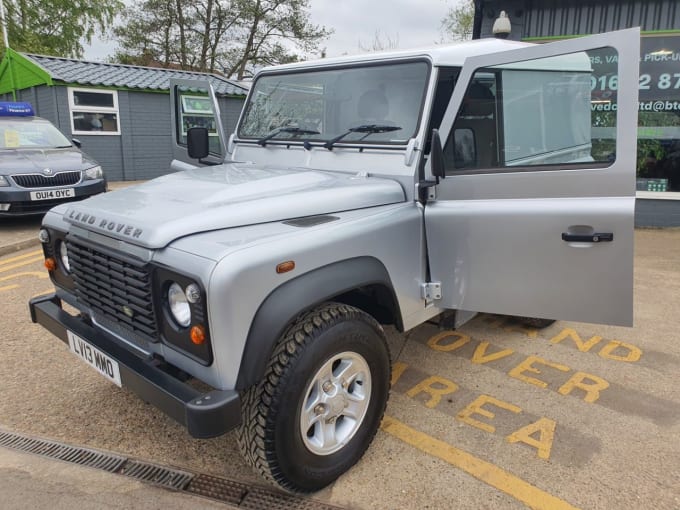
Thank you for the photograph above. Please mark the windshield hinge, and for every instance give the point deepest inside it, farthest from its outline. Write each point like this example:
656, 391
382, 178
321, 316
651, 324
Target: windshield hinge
426, 191
431, 291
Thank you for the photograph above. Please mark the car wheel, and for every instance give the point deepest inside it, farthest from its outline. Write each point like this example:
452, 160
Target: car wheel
321, 400
536, 323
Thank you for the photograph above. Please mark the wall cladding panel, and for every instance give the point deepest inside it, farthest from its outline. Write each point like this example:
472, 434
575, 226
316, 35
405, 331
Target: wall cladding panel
554, 18
45, 103
565, 17
143, 150
106, 150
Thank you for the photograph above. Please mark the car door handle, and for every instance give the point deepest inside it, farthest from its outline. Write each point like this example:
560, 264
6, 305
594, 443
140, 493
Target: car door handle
597, 237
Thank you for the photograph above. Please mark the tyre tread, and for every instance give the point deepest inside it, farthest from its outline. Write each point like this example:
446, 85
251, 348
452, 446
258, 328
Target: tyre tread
261, 399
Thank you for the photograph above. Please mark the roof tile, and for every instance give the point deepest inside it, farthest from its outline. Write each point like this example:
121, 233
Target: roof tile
84, 72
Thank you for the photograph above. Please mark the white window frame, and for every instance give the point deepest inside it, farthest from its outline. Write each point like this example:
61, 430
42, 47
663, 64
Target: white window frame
74, 108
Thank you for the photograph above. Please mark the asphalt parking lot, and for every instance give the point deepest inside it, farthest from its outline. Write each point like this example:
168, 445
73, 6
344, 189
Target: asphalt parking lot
493, 415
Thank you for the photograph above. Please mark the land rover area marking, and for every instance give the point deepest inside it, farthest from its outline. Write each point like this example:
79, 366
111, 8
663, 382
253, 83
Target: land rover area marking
105, 224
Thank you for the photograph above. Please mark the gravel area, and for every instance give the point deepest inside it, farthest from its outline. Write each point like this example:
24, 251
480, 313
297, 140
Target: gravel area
45, 391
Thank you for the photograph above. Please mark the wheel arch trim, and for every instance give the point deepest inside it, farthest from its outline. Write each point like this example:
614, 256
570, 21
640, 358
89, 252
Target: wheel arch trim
295, 296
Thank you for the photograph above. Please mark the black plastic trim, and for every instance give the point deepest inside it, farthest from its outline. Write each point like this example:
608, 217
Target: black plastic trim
204, 415
597, 237
295, 296
173, 335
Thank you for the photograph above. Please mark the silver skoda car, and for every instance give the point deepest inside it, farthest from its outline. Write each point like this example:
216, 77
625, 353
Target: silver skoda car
39, 166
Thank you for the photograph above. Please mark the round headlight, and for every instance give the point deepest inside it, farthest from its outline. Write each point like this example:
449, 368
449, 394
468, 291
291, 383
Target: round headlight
63, 254
193, 293
179, 306
44, 236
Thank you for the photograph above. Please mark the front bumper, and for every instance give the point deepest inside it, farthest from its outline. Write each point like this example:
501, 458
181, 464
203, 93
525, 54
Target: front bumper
203, 414
22, 205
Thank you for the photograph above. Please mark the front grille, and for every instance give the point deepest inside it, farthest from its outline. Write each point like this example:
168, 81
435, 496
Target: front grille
46, 181
111, 285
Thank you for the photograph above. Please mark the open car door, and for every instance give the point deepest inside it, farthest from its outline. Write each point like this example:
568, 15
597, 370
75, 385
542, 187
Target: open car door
194, 104
533, 214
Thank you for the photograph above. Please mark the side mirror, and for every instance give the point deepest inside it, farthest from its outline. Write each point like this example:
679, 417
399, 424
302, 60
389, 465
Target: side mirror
76, 142
437, 156
197, 142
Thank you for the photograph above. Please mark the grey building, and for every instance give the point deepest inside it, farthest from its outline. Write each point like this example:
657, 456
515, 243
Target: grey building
658, 162
120, 113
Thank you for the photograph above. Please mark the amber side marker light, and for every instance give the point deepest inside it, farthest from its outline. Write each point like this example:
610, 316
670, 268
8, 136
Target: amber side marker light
50, 264
197, 334
284, 267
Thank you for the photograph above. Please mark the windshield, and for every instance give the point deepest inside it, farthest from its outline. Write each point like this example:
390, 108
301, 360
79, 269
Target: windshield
322, 105
30, 134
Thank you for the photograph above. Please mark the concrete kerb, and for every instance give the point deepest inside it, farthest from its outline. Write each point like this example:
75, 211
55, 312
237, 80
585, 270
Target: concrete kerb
28, 238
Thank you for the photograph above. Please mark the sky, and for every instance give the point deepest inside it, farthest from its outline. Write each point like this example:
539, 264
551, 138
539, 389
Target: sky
409, 23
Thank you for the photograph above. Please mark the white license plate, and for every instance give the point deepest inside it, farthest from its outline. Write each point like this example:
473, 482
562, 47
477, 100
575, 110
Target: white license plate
95, 358
51, 194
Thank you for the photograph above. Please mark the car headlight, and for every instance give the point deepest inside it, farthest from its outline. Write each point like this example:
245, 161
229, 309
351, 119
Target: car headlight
179, 305
63, 255
3, 181
95, 172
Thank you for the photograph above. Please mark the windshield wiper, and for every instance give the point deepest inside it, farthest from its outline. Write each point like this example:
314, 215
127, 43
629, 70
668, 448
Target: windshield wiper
369, 129
295, 130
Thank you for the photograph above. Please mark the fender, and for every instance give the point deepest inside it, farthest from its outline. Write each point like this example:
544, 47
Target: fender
295, 296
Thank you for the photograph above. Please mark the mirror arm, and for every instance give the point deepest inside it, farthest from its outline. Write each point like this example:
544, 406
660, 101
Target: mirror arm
437, 166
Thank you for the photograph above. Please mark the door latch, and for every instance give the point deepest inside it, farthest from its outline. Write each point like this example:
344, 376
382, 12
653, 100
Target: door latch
597, 237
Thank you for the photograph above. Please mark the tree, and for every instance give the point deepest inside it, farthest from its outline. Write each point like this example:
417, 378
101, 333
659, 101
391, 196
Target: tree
228, 36
459, 21
380, 43
57, 27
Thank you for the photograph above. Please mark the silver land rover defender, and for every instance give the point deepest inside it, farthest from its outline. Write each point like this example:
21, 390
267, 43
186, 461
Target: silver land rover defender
357, 192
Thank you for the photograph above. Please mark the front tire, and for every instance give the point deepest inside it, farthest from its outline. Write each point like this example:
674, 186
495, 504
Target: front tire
321, 400
537, 323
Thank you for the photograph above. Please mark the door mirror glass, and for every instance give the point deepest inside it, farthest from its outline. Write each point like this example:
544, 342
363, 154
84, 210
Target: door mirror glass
198, 144
437, 156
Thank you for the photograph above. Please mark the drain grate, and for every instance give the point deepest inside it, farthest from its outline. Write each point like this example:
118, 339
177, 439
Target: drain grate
227, 491
218, 488
54, 450
158, 475
257, 499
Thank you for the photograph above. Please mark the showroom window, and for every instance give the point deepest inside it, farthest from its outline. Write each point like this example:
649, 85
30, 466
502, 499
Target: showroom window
658, 146
93, 112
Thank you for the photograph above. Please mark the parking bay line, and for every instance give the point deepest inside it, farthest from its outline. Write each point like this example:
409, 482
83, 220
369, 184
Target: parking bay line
19, 257
488, 473
4, 268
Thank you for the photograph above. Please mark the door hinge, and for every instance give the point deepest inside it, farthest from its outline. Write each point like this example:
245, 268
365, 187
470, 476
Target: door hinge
431, 291
427, 190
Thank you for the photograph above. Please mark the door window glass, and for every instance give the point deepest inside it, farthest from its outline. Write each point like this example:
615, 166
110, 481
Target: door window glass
195, 109
539, 112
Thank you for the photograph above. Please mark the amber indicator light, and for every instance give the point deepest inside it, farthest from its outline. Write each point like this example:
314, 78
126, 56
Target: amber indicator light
284, 267
50, 264
197, 334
